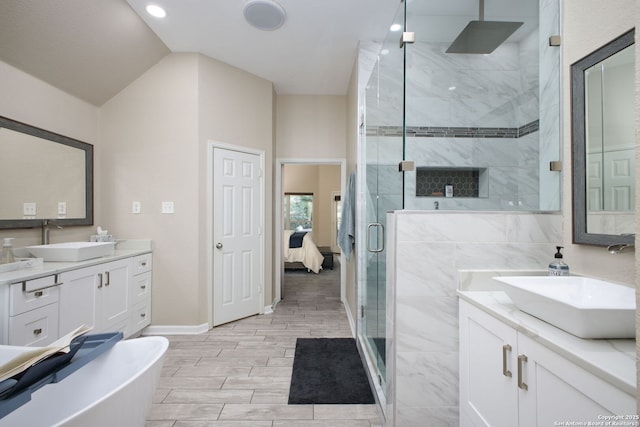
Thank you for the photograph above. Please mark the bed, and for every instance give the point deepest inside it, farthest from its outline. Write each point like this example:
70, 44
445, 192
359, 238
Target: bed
307, 254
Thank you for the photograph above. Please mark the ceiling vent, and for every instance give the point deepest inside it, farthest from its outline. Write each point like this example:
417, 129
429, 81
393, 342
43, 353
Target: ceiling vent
264, 14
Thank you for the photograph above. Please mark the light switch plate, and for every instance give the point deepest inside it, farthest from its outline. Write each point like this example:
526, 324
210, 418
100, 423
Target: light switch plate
136, 207
62, 208
167, 208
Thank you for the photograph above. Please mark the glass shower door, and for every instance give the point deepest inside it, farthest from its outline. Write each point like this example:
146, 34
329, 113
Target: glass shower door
384, 151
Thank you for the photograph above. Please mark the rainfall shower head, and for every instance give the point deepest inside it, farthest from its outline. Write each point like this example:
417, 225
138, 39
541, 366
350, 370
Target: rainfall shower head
483, 36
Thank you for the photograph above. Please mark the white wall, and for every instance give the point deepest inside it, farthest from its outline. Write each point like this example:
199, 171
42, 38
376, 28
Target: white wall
155, 135
587, 25
311, 126
29, 100
236, 107
150, 137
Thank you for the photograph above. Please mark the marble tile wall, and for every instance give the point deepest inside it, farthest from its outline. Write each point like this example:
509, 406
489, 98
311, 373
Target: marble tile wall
496, 91
426, 251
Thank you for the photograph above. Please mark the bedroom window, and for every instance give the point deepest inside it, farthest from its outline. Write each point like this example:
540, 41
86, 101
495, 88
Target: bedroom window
298, 211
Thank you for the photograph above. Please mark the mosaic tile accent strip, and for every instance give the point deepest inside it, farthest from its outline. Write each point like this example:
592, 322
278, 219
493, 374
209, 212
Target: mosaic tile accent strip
430, 182
454, 132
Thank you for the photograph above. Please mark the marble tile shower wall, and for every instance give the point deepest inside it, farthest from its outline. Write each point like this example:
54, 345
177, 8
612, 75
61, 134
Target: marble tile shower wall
497, 91
426, 249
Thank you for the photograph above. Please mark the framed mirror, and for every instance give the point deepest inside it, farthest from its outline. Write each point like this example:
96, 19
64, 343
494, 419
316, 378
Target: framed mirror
603, 144
43, 175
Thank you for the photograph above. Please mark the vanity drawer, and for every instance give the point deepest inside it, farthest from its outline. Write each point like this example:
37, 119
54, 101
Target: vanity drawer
142, 264
35, 328
141, 286
141, 316
32, 294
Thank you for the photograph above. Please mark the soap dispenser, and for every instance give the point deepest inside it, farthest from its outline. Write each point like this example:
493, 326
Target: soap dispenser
558, 267
7, 252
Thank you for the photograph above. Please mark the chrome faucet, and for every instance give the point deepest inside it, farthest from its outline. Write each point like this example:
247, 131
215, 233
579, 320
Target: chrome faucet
617, 248
45, 230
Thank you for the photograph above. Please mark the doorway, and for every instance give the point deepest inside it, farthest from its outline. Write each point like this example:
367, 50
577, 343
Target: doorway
321, 221
236, 241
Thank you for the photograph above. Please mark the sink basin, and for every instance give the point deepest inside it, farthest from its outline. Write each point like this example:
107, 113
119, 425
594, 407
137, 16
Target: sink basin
71, 251
582, 306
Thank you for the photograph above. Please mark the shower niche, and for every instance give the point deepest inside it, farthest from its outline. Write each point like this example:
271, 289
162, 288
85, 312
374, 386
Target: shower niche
465, 181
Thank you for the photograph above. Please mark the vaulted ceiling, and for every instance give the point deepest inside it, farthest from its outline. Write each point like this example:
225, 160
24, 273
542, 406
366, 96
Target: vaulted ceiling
94, 48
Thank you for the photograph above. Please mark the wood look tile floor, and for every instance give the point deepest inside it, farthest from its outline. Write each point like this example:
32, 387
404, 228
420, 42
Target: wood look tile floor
238, 374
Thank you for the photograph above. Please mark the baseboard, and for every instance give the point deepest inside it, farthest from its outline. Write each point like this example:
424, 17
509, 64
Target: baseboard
175, 329
352, 323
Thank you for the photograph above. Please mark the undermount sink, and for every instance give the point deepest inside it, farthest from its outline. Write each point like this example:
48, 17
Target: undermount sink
582, 306
71, 251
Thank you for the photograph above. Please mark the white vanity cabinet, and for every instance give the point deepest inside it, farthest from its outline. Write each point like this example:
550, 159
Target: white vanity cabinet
96, 296
508, 379
112, 294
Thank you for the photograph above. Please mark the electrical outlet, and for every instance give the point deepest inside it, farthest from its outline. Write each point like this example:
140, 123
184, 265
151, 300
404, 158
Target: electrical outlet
167, 208
62, 208
136, 208
29, 209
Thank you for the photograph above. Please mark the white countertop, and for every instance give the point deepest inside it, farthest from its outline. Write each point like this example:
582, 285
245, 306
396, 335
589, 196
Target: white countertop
123, 249
612, 360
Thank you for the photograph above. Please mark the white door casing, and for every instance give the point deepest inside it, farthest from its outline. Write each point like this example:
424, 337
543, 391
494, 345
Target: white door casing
237, 235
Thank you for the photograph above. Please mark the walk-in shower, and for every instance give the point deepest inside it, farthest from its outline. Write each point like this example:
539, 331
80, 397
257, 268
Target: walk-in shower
478, 132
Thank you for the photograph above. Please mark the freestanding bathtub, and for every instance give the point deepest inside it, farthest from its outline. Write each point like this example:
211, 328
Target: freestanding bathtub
114, 389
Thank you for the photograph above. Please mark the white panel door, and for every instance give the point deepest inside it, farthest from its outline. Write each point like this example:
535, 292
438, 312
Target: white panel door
237, 254
619, 187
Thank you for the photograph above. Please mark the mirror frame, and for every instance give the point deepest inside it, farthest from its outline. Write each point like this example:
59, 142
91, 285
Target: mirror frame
578, 142
88, 161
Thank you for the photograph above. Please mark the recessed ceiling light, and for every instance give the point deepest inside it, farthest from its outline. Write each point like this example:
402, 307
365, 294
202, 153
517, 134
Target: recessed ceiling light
156, 11
395, 27
264, 14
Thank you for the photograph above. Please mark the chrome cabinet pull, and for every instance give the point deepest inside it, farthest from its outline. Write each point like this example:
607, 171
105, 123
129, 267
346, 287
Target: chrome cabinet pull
108, 278
505, 371
99, 280
143, 286
143, 314
143, 263
37, 331
522, 359
38, 294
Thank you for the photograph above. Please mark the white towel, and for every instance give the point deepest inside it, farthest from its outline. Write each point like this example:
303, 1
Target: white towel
347, 231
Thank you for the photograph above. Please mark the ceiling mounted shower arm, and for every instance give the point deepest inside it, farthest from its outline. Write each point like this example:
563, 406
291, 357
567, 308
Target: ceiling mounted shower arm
481, 11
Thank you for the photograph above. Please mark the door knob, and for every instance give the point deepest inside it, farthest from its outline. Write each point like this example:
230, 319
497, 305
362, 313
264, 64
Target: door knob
219, 245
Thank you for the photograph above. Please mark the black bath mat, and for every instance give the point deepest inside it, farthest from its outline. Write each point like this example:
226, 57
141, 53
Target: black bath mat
328, 371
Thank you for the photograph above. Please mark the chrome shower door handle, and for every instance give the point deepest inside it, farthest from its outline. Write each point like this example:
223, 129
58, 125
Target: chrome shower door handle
380, 227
